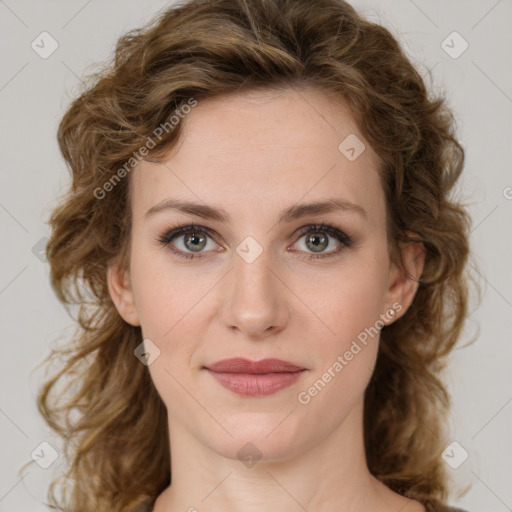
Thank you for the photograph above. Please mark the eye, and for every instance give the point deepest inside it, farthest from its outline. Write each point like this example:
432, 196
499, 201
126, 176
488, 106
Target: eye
190, 238
316, 239
192, 242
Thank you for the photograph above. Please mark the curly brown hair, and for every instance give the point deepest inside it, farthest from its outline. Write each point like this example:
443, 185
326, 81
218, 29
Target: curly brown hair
202, 49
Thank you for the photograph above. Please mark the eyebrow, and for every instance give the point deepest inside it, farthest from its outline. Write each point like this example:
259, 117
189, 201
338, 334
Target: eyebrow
290, 214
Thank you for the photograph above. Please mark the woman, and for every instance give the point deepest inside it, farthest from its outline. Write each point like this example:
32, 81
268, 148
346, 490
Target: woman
268, 264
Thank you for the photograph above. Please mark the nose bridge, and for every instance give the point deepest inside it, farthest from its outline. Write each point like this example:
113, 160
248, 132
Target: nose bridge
255, 302
252, 269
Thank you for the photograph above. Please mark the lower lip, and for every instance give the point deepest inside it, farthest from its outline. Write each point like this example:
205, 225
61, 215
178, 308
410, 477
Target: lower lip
256, 384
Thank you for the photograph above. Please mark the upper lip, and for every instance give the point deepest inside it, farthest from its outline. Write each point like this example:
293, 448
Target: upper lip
241, 365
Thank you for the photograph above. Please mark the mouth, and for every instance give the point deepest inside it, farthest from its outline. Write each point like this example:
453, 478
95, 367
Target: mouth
254, 378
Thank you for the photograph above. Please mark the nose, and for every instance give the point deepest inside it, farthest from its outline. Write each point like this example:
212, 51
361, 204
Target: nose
255, 298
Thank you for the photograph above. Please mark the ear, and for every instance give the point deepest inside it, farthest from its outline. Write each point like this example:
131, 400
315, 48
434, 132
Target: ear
403, 283
121, 293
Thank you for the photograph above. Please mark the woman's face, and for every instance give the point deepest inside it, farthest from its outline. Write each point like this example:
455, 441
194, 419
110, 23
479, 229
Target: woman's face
263, 282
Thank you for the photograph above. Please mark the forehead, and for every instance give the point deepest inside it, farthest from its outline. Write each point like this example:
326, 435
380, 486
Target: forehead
268, 147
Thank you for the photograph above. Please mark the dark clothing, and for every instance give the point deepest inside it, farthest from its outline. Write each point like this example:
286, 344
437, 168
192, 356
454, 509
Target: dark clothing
441, 508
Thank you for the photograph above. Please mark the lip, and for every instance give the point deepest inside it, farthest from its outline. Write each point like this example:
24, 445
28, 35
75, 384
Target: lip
255, 378
241, 365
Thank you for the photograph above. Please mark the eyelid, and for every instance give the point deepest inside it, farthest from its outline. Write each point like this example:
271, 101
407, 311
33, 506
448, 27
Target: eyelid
181, 229
328, 228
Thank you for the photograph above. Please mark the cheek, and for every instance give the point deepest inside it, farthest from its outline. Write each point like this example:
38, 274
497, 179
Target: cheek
166, 294
350, 301
345, 360
346, 354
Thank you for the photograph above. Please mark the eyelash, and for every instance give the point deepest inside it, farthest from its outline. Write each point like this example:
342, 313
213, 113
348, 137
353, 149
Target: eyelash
166, 239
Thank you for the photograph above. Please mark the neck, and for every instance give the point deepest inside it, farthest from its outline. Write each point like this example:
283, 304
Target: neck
331, 475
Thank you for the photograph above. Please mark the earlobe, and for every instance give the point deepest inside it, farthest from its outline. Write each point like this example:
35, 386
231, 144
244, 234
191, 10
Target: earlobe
121, 293
404, 283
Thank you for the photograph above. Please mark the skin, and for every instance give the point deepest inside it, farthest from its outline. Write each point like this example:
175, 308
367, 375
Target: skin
254, 155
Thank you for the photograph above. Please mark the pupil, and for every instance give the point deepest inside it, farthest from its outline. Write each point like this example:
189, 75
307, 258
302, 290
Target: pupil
318, 241
198, 242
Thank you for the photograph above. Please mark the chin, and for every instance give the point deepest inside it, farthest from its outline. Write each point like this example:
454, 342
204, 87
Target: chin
262, 436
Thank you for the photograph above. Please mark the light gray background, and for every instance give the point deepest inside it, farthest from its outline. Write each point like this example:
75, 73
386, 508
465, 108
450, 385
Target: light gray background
34, 93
